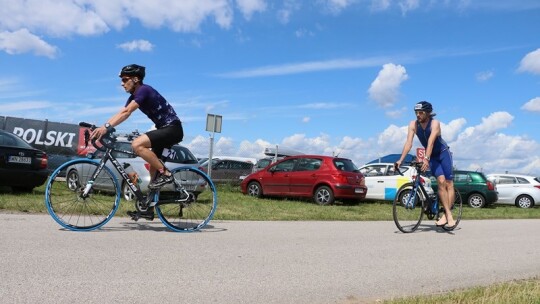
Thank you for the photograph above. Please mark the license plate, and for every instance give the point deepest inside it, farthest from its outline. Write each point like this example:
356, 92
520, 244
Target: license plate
358, 190
20, 159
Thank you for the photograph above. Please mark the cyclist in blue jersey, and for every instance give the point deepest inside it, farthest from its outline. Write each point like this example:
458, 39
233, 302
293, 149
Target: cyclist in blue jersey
437, 157
168, 126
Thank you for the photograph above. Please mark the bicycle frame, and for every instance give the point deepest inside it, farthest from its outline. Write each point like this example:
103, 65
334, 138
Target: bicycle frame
418, 188
109, 157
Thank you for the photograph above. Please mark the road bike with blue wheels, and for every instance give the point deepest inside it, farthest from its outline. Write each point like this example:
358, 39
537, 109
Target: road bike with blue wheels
85, 202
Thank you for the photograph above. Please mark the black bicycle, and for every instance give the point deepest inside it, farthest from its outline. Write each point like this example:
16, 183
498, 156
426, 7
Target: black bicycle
412, 202
85, 203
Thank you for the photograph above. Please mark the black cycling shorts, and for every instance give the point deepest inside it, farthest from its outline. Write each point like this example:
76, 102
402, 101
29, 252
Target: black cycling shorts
165, 137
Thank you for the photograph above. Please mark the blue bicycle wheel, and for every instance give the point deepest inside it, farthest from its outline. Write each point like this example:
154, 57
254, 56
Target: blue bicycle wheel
189, 203
78, 204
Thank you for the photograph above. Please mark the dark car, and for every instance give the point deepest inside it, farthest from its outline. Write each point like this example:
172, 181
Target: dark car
322, 178
474, 188
22, 167
228, 170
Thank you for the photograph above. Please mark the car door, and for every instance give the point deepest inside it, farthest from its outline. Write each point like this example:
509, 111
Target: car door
376, 180
462, 181
276, 182
506, 188
304, 176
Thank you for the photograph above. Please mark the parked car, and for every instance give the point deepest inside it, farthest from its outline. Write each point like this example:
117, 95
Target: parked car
322, 178
383, 181
229, 170
516, 189
474, 188
22, 167
181, 156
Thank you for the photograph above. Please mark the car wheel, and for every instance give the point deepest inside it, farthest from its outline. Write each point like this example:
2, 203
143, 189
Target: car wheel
72, 180
127, 193
524, 201
476, 200
323, 196
254, 189
404, 196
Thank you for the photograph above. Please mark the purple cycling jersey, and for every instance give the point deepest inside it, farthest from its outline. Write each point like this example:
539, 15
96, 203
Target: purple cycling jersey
154, 106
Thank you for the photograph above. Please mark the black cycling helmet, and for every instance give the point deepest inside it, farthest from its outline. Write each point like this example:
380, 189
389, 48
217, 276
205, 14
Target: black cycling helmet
423, 106
133, 70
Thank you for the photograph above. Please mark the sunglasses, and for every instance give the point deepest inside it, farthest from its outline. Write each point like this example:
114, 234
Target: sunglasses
125, 79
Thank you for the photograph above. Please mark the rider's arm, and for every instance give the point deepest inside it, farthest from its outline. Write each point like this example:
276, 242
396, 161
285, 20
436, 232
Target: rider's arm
408, 144
435, 132
117, 119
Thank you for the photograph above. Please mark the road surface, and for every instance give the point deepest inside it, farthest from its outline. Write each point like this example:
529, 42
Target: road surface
256, 262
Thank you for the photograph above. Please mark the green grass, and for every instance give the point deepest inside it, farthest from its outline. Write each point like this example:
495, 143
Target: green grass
522, 292
233, 205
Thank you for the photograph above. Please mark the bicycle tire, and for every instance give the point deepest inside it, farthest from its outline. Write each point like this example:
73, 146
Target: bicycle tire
180, 213
407, 211
457, 210
65, 203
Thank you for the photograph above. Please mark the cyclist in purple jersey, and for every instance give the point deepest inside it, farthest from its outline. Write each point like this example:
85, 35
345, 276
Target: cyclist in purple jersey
150, 145
437, 157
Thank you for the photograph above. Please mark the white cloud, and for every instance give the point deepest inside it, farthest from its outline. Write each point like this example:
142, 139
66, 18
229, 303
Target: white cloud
305, 67
408, 5
137, 45
248, 7
22, 41
531, 62
289, 7
336, 6
306, 119
385, 88
484, 76
532, 105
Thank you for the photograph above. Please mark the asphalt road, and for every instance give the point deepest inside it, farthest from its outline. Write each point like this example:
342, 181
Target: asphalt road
256, 262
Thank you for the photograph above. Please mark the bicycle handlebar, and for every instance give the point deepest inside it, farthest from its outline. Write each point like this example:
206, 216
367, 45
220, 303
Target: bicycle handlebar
417, 165
108, 135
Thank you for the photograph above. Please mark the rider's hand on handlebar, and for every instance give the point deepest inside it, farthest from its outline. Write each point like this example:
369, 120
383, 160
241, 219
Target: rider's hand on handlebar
97, 133
425, 165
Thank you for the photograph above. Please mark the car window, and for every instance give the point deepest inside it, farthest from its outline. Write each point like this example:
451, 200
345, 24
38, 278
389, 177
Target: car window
522, 180
374, 170
181, 155
285, 166
462, 178
506, 180
9, 140
222, 165
308, 164
344, 164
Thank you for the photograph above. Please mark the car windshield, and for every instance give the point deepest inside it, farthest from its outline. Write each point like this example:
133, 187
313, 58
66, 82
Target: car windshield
10, 140
345, 165
182, 155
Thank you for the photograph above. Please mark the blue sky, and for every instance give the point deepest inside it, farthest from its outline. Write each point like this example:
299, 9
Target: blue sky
321, 76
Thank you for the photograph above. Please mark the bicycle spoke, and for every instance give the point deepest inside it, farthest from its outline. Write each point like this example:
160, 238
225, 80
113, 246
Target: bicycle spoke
188, 212
65, 201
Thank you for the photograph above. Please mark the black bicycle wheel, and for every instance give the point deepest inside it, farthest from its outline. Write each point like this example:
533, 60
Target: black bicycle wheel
457, 210
66, 202
189, 203
407, 209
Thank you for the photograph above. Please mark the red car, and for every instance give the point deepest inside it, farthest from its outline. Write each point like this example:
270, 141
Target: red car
323, 178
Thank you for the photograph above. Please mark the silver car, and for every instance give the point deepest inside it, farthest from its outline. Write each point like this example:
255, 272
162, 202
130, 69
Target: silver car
180, 156
517, 189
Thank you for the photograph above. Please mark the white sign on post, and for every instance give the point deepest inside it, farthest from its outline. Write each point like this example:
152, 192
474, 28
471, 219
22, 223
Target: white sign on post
213, 124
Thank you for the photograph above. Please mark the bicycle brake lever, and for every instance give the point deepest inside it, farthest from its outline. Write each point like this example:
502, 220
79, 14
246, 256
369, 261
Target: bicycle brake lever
86, 138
